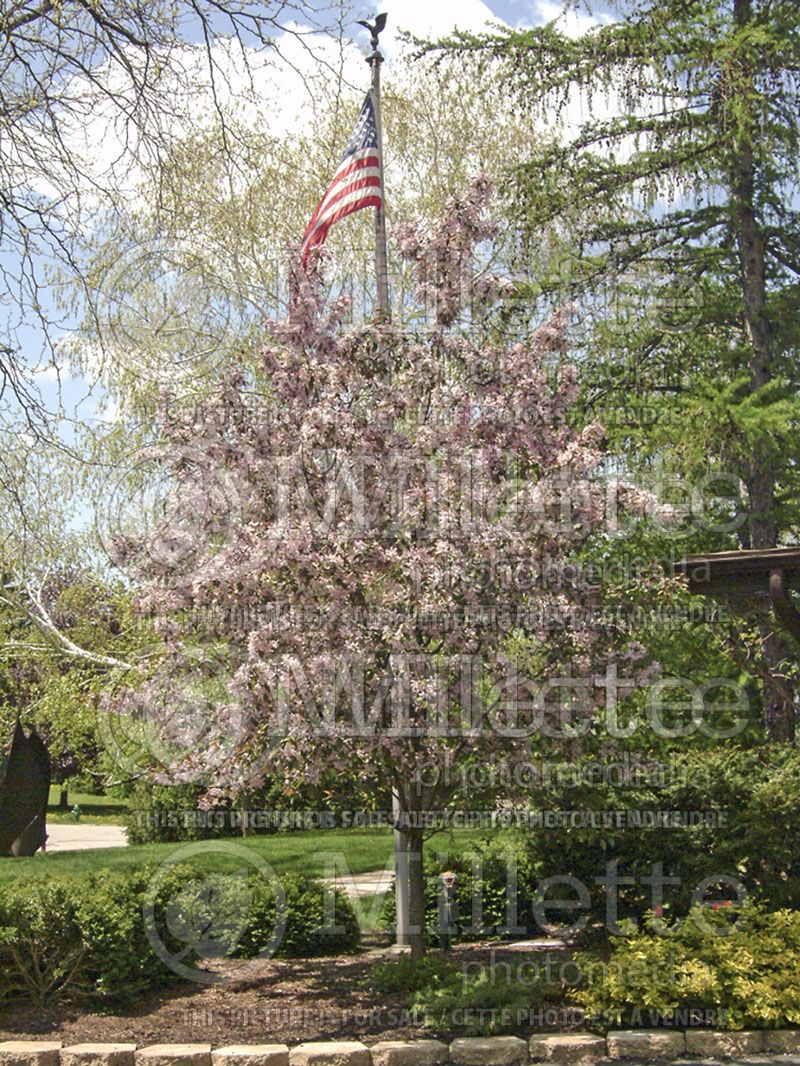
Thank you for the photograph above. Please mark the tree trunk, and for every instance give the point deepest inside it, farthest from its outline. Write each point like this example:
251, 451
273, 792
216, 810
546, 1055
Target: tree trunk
63, 797
762, 525
416, 894
410, 799
779, 695
402, 916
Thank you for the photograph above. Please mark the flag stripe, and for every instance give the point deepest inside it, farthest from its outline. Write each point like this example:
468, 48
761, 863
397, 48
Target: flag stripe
371, 164
353, 202
321, 232
369, 169
371, 181
357, 182
354, 160
370, 161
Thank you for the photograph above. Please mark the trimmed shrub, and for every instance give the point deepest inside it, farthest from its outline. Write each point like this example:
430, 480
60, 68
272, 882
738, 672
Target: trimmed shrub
484, 905
42, 951
167, 814
740, 963
65, 937
319, 920
121, 962
88, 939
312, 918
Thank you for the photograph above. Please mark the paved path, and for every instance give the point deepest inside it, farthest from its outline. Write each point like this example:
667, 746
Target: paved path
77, 837
367, 884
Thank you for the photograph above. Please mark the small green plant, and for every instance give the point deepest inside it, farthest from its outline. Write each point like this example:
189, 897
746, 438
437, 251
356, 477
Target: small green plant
401, 975
41, 951
496, 999
484, 1004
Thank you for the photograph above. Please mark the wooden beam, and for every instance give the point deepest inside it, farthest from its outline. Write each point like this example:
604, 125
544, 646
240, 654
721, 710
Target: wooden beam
740, 573
768, 574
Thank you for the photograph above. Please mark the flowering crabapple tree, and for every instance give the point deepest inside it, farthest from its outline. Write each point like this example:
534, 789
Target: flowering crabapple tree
391, 486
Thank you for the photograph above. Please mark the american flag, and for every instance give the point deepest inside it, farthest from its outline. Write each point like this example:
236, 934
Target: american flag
356, 183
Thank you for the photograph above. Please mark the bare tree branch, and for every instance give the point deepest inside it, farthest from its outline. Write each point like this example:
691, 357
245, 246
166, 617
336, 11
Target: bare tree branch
134, 66
36, 612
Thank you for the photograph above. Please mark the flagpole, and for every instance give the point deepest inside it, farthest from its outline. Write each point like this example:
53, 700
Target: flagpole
375, 58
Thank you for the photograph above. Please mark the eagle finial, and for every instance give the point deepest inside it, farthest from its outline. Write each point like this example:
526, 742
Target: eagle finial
375, 28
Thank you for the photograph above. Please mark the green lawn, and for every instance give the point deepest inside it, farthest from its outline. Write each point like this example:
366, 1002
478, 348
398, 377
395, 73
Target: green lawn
97, 810
307, 852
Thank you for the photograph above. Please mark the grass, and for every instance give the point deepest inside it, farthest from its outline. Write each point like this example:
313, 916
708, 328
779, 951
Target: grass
95, 810
315, 853
371, 905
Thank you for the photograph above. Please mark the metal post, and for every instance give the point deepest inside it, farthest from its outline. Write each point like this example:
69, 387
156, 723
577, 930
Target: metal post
447, 908
375, 58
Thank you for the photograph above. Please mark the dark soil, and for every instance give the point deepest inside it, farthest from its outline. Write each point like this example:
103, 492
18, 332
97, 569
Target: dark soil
263, 1001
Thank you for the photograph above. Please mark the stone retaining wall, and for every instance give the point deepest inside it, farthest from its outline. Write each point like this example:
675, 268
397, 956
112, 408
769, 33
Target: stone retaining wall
642, 1045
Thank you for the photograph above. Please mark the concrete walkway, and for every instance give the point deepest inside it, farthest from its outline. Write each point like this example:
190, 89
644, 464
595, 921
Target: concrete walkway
372, 883
79, 837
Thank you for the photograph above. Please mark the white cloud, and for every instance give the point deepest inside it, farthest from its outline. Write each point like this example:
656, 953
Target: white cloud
421, 18
108, 411
571, 23
273, 89
49, 373
285, 94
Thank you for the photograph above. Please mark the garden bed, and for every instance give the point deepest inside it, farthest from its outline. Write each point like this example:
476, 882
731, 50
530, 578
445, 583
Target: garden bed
285, 1001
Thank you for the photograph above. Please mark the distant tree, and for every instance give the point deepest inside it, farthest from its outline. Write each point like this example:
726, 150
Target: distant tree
680, 181
59, 643
93, 95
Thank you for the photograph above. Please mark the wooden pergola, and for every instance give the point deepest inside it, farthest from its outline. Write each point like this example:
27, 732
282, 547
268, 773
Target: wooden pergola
761, 574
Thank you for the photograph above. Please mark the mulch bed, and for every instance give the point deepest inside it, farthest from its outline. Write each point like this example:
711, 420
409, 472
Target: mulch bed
262, 1001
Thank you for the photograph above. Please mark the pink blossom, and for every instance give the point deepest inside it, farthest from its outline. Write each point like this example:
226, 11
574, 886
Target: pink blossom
361, 570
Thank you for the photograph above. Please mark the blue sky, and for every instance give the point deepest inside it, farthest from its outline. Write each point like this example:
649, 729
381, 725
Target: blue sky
420, 17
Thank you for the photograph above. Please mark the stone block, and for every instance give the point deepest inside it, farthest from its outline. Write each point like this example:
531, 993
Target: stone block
330, 1053
251, 1055
782, 1041
488, 1051
98, 1055
567, 1047
174, 1055
29, 1052
409, 1053
716, 1044
646, 1044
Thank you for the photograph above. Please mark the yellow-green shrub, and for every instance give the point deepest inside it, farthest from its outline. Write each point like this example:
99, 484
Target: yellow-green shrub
748, 971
